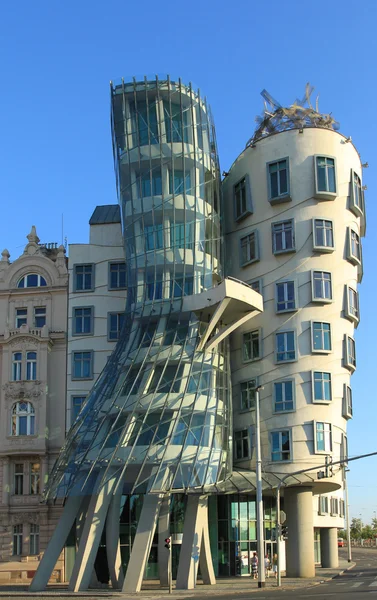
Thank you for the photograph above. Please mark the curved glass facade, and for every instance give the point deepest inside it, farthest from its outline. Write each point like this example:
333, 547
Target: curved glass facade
158, 417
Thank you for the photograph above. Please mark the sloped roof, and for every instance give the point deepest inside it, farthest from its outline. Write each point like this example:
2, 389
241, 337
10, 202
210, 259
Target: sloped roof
108, 213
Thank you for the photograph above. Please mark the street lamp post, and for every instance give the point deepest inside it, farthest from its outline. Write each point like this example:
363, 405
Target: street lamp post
260, 529
348, 526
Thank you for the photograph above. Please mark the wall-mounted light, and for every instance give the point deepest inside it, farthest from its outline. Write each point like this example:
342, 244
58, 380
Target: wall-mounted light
365, 165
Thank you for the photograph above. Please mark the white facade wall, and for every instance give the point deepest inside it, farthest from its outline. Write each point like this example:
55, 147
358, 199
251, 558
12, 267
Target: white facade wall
302, 206
105, 247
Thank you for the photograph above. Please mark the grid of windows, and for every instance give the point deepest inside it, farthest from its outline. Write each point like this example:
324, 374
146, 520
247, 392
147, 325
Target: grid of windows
283, 396
82, 365
249, 248
285, 296
325, 174
248, 394
278, 177
321, 337
323, 437
242, 444
321, 286
117, 276
83, 278
115, 324
285, 346
83, 320
39, 316
323, 234
283, 238
251, 345
321, 386
281, 445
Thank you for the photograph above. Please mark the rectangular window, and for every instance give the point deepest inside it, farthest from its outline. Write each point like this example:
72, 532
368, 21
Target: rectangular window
18, 479
153, 237
180, 183
347, 402
283, 237
323, 503
39, 316
180, 286
147, 333
176, 123
323, 437
82, 365
83, 278
251, 345
147, 127
285, 346
154, 285
323, 233
21, 317
248, 394
249, 248
256, 285
182, 235
341, 508
356, 197
189, 431
325, 175
354, 247
150, 183
115, 324
242, 199
35, 477
278, 177
321, 337
242, 444
83, 320
285, 296
283, 396
17, 539
321, 386
17, 366
334, 506
281, 445
321, 286
350, 360
352, 305
31, 366
34, 539
117, 276
77, 402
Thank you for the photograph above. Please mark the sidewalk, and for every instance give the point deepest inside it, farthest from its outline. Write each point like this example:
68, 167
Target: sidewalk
151, 589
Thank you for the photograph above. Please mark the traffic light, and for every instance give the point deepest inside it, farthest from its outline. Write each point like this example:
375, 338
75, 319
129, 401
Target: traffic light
284, 532
167, 543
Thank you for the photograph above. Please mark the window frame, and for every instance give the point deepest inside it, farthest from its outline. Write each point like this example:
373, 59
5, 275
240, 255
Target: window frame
325, 194
34, 479
34, 535
321, 299
18, 478
32, 287
323, 505
326, 450
248, 360
316, 350
347, 404
75, 290
284, 250
353, 206
109, 315
91, 317
23, 317
290, 360
91, 376
318, 247
247, 431
352, 258
255, 233
18, 539
248, 198
347, 312
313, 381
73, 396
35, 316
295, 295
111, 263
286, 197
259, 282
17, 367
284, 381
243, 382
30, 414
34, 366
351, 365
280, 431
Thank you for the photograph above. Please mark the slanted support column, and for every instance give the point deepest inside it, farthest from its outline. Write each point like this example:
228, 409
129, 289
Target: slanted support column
195, 545
56, 544
114, 560
142, 543
163, 533
329, 547
298, 504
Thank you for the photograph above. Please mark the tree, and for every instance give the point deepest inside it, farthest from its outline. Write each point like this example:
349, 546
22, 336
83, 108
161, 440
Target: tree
374, 524
367, 532
356, 528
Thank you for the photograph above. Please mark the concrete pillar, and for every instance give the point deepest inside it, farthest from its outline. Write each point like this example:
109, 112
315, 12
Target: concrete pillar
195, 545
163, 533
56, 544
114, 559
142, 543
329, 547
91, 536
298, 505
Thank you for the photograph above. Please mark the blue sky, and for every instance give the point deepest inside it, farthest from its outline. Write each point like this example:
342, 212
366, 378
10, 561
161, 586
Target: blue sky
57, 59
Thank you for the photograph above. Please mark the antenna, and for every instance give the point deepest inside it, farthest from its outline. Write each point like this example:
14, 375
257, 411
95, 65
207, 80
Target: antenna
62, 229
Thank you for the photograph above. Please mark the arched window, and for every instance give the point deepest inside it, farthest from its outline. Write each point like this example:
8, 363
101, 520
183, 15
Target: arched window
32, 280
31, 366
23, 419
17, 366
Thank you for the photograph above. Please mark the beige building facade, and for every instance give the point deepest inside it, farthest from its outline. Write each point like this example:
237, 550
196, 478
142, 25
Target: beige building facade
33, 325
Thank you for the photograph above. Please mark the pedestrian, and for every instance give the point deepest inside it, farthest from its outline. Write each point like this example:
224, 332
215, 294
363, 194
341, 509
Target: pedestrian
275, 565
254, 565
267, 565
